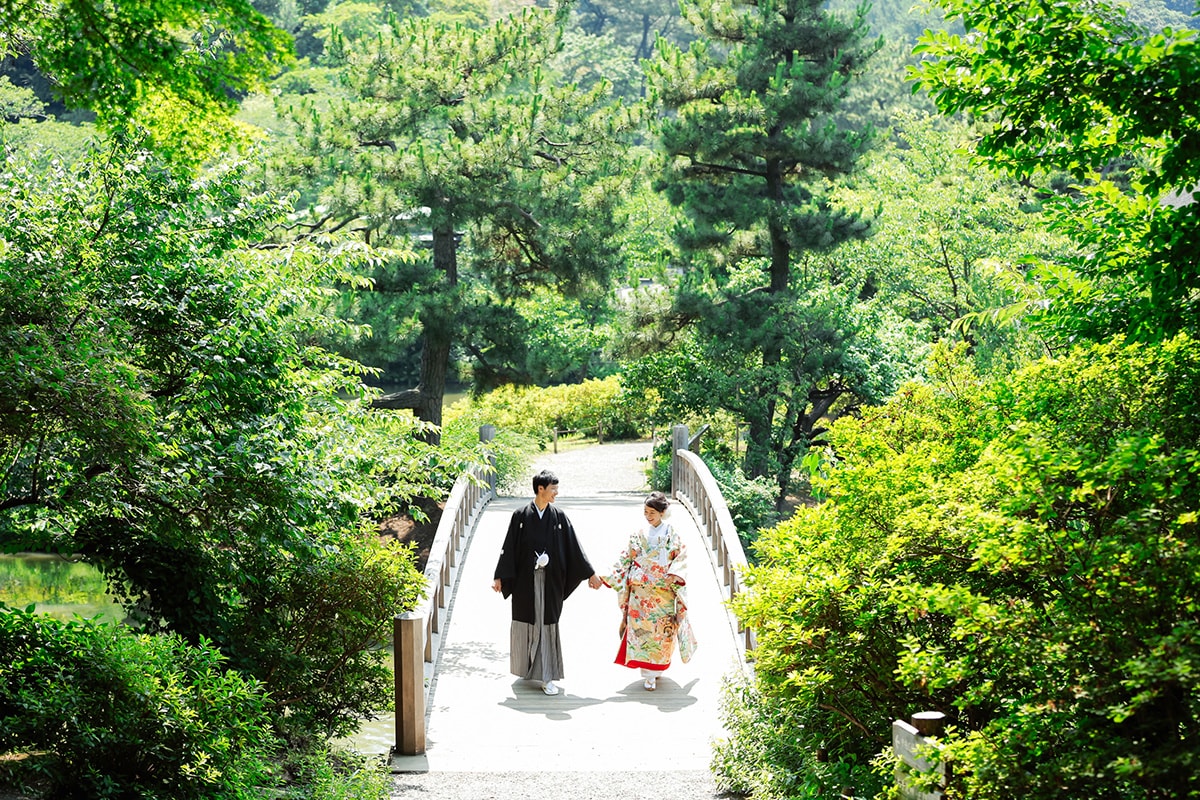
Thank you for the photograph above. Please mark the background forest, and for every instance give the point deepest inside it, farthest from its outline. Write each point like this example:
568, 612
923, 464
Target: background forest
929, 273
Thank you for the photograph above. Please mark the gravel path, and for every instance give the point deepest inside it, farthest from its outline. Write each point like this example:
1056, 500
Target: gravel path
597, 470
690, 785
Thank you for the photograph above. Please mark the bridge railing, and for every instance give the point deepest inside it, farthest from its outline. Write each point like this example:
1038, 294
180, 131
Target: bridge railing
694, 485
417, 634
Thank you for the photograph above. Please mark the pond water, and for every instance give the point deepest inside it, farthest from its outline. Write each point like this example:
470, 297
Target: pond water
58, 586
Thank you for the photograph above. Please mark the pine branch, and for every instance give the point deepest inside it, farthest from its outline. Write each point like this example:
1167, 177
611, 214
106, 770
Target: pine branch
388, 143
698, 167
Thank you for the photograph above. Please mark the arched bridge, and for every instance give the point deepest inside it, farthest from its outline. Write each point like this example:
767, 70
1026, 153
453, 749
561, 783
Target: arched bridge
458, 707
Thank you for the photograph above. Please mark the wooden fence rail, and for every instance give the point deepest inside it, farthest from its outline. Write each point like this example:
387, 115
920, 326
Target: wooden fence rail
417, 634
599, 429
694, 485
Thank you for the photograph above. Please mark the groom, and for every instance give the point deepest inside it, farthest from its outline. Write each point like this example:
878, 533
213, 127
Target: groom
540, 564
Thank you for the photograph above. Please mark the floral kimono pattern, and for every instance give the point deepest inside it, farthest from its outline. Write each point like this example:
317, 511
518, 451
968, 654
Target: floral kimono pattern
650, 590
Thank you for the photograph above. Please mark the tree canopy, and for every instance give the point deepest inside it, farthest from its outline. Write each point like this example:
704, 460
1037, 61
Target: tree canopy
1082, 89
749, 152
468, 137
178, 67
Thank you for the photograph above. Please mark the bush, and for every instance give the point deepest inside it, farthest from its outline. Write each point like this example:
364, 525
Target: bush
761, 759
103, 713
751, 502
590, 406
329, 775
509, 452
1022, 556
217, 467
324, 650
660, 467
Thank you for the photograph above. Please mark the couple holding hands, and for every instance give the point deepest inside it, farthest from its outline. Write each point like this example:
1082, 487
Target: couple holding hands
541, 563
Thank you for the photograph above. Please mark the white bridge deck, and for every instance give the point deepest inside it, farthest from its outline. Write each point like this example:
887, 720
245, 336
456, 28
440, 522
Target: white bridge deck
483, 719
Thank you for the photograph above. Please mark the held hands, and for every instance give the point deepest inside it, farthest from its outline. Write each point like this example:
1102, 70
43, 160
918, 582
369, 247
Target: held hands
496, 585
594, 582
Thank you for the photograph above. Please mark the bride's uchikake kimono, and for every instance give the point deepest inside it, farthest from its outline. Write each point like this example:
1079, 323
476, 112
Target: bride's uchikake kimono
649, 579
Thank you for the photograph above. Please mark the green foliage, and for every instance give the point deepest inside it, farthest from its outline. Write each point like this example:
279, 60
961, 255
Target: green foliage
174, 68
544, 338
18, 102
342, 25
317, 633
675, 379
104, 713
508, 453
112, 58
590, 60
751, 148
1080, 89
632, 26
834, 349
1019, 554
950, 242
764, 758
327, 775
469, 13
582, 407
1080, 653
465, 136
659, 477
164, 413
751, 502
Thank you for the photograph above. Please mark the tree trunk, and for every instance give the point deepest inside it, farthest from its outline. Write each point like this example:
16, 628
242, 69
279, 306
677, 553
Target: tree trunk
804, 430
759, 446
437, 320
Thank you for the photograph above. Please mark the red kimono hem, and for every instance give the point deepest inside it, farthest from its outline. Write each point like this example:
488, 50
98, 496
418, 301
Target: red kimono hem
625, 662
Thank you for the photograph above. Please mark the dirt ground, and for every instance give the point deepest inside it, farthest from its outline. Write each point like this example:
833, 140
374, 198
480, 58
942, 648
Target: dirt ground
405, 528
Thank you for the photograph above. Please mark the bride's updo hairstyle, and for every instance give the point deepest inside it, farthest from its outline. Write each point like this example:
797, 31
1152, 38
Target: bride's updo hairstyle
659, 502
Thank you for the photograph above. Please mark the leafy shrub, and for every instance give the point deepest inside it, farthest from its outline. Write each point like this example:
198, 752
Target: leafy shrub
1022, 556
509, 452
751, 502
329, 775
591, 406
219, 468
104, 713
660, 468
323, 653
761, 760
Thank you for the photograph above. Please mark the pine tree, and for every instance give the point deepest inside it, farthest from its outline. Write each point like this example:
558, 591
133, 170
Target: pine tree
750, 148
465, 135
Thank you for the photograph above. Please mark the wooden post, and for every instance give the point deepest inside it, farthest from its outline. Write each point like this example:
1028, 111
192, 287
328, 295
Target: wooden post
679, 441
556, 440
408, 643
929, 723
487, 433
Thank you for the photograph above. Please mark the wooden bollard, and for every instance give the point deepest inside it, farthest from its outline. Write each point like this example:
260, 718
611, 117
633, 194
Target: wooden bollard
929, 723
